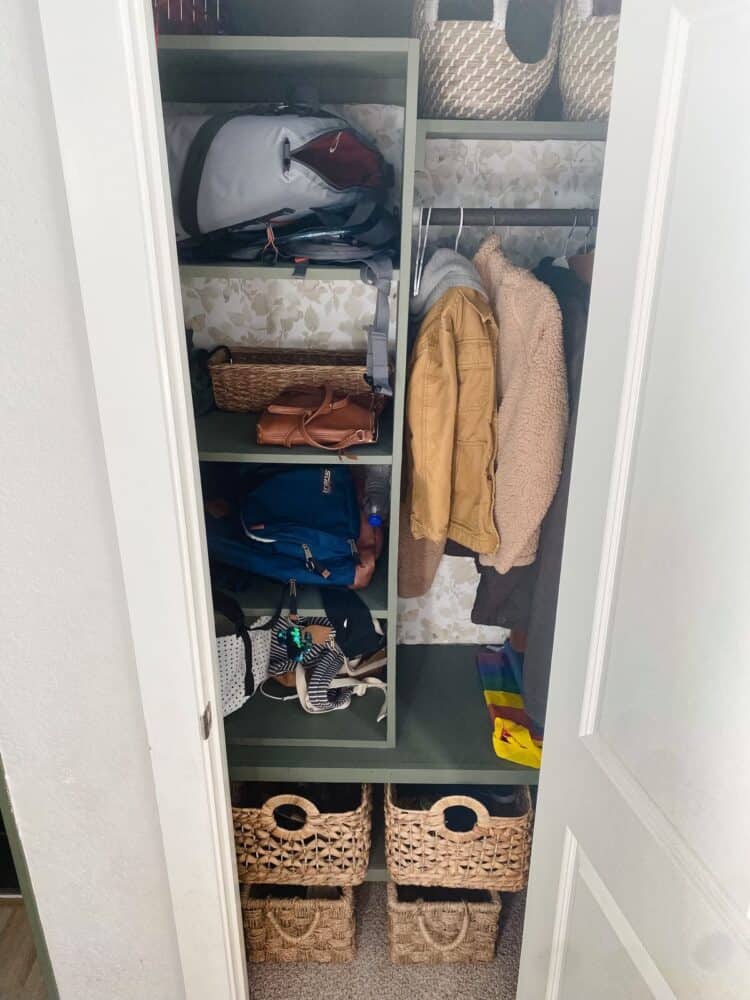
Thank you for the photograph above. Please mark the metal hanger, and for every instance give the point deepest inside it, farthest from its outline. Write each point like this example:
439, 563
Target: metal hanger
460, 228
421, 248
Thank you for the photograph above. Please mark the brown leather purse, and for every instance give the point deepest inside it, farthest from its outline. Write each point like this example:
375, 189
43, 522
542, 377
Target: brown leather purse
321, 417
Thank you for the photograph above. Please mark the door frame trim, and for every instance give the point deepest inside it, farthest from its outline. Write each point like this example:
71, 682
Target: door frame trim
113, 152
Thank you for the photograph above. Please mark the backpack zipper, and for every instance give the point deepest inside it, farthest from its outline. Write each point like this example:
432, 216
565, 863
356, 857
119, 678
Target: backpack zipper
312, 565
355, 552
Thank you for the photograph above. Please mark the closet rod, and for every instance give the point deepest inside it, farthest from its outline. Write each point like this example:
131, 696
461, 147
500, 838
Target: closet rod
508, 216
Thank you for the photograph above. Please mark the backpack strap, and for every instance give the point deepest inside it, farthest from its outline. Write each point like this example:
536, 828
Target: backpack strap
192, 172
379, 273
230, 609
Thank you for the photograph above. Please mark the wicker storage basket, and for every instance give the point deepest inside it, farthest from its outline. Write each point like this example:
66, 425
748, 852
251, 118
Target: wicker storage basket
314, 925
442, 931
588, 48
422, 850
248, 379
468, 69
326, 848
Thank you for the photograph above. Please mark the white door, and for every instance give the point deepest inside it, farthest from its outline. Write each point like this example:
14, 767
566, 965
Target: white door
640, 881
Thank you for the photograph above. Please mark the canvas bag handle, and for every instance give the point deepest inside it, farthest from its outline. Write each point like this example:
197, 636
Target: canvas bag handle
499, 12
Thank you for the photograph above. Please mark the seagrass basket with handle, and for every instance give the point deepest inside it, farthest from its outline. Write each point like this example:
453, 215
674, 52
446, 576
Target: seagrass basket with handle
322, 848
316, 924
442, 931
422, 849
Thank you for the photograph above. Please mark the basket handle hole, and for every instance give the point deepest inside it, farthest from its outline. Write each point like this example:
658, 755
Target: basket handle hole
460, 819
289, 817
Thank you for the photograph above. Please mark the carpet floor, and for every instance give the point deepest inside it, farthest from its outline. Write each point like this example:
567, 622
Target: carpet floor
372, 976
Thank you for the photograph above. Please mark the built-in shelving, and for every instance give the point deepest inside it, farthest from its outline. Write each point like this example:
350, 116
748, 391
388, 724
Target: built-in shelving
263, 597
443, 732
231, 437
446, 128
255, 68
245, 69
243, 271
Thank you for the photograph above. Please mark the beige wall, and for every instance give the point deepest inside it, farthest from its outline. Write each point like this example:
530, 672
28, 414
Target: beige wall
72, 735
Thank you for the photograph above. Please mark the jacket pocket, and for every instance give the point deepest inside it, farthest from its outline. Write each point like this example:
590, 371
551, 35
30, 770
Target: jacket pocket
472, 492
475, 408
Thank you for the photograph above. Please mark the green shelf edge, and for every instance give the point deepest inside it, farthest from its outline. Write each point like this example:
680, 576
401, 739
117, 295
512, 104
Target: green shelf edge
230, 437
250, 270
519, 131
444, 734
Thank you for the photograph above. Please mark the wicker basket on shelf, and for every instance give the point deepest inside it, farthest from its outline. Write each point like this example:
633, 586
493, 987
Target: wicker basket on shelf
421, 849
248, 379
325, 848
588, 48
468, 69
308, 926
422, 932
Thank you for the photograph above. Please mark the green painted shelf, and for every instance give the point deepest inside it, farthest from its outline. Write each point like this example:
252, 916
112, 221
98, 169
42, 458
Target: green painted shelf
251, 68
443, 732
263, 725
250, 269
446, 128
230, 437
263, 597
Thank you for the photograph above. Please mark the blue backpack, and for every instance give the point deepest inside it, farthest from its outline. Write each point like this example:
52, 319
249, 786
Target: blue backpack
300, 524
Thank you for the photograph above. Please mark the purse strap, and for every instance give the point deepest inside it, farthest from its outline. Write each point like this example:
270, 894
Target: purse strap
306, 419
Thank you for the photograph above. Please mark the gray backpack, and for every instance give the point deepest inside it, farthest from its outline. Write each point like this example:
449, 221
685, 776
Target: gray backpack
243, 168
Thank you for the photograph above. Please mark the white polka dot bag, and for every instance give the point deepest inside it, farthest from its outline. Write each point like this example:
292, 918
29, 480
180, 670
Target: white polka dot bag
243, 653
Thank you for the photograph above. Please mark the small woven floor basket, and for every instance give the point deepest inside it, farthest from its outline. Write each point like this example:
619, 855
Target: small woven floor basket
422, 932
306, 927
588, 49
246, 380
421, 849
468, 69
325, 848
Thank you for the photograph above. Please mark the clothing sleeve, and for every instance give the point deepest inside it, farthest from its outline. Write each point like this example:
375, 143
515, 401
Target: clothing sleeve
534, 431
431, 422
418, 560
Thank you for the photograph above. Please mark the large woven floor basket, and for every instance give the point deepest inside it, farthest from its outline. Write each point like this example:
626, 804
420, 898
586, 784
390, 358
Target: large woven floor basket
426, 932
468, 69
246, 380
322, 848
588, 49
316, 925
423, 849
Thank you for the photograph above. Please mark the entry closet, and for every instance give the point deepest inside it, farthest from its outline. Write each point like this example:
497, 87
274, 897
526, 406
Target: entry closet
535, 183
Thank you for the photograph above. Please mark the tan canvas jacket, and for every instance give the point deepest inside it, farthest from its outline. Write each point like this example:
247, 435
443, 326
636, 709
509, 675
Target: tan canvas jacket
450, 436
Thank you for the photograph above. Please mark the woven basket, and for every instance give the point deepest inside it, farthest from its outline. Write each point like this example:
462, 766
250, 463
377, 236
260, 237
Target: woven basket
468, 69
422, 932
327, 849
304, 928
248, 379
588, 48
422, 850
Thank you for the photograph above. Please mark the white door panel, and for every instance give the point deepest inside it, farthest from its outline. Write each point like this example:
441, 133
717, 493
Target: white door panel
641, 870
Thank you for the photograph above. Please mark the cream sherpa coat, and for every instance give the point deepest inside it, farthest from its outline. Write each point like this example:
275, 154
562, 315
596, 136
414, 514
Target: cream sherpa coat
532, 417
